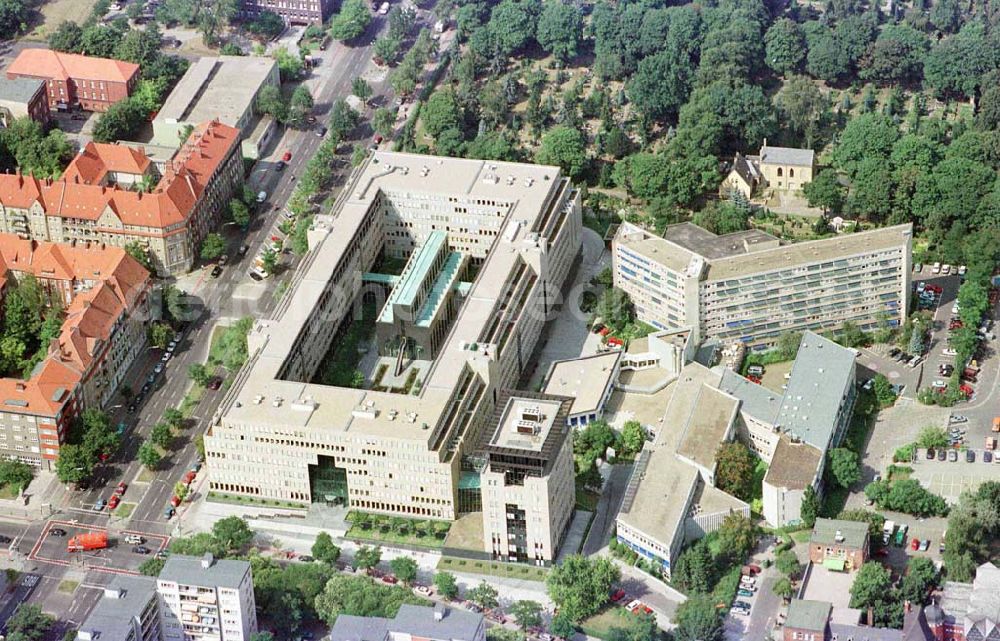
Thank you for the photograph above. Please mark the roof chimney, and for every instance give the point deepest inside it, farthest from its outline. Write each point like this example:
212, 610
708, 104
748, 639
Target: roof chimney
207, 560
438, 612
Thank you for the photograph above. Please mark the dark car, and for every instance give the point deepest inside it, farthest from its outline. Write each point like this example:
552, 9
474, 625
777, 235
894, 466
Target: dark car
243, 250
930, 453
987, 457
280, 166
305, 558
141, 549
970, 456
321, 132
598, 327
4, 538
942, 454
216, 271
57, 531
215, 383
131, 408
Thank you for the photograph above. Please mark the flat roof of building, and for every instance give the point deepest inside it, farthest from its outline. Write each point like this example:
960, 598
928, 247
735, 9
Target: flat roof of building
123, 598
812, 401
709, 499
438, 622
712, 246
192, 570
708, 425
808, 615
524, 190
663, 251
586, 379
19, 90
222, 87
757, 400
852, 534
525, 423
813, 251
793, 465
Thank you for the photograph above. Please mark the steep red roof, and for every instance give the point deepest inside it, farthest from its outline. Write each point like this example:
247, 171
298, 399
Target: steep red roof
170, 202
46, 63
98, 159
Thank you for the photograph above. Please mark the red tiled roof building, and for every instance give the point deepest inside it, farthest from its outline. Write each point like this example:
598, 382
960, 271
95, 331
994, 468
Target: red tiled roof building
73, 80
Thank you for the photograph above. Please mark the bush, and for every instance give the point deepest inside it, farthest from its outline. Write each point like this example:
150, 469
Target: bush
904, 454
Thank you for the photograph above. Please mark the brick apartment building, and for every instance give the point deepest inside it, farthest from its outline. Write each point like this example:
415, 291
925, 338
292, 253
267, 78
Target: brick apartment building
839, 545
104, 293
113, 194
22, 98
75, 81
291, 11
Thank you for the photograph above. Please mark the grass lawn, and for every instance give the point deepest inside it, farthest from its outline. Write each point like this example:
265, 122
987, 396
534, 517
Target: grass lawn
585, 499
801, 536
56, 11
493, 568
191, 400
235, 499
601, 623
124, 510
68, 586
376, 535
8, 492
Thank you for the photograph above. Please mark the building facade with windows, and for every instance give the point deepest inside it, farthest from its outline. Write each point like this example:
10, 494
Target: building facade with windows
412, 623
839, 545
291, 11
127, 611
113, 194
749, 287
104, 297
398, 448
74, 81
206, 599
23, 98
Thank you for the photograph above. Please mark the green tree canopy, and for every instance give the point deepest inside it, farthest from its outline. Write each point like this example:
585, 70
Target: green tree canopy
351, 22
580, 585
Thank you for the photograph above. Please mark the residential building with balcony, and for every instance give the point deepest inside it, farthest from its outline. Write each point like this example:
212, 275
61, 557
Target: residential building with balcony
749, 287
104, 297
206, 599
115, 195
399, 448
74, 81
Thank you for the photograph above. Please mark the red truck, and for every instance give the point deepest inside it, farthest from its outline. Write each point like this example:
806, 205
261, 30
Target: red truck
88, 541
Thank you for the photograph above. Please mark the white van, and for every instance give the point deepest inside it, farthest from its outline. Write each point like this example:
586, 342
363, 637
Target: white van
134, 539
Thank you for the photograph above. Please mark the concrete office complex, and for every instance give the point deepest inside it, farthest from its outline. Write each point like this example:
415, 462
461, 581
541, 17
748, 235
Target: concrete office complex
528, 483
793, 431
206, 599
22, 98
588, 380
127, 611
412, 623
671, 498
519, 227
191, 600
748, 287
223, 88
292, 11
95, 200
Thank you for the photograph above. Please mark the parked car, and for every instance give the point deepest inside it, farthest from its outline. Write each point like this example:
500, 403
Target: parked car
57, 531
140, 549
280, 165
925, 545
321, 132
970, 456
244, 248
987, 457
914, 544
216, 271
113, 501
305, 558
930, 453
617, 595
391, 580
939, 384
286, 156
743, 592
100, 505
423, 590
755, 370
215, 383
952, 456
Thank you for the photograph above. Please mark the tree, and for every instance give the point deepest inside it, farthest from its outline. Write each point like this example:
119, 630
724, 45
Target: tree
199, 374
148, 456
342, 119
66, 37
15, 474
932, 437
484, 595
844, 466
785, 46
232, 533
173, 417
633, 437
698, 620
783, 588
262, 636
351, 22
290, 66
367, 557
579, 585
152, 567
446, 585
643, 174
441, 112
737, 536
324, 549
405, 569
266, 25
825, 191
562, 626
299, 106
75, 463
564, 147
735, 465
270, 102
559, 29
871, 584
897, 57
28, 623
140, 253
122, 120
512, 25
870, 135
921, 577
884, 391
695, 569
527, 613
788, 564
803, 105
957, 66
361, 89
213, 246
809, 509
386, 50
359, 596
14, 18
384, 121
160, 334
161, 435
269, 260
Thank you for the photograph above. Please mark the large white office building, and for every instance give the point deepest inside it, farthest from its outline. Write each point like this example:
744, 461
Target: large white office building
397, 448
749, 287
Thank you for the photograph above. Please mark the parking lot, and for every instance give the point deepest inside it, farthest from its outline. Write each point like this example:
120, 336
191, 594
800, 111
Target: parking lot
949, 479
117, 558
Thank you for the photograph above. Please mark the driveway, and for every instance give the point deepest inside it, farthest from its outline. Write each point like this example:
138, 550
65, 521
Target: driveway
607, 509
